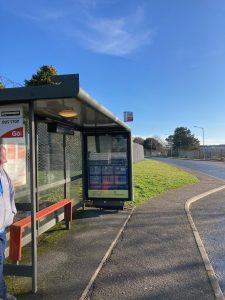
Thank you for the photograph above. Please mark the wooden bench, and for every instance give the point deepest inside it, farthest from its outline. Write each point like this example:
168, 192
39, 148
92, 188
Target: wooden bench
16, 229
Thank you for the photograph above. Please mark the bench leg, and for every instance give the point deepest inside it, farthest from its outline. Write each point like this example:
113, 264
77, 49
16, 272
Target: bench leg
68, 215
15, 244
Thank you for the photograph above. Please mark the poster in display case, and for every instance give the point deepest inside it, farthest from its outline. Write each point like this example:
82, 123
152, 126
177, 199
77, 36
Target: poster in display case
95, 181
95, 170
107, 170
108, 161
16, 165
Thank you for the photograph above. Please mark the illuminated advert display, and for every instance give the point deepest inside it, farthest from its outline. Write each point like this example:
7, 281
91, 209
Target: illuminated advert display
108, 167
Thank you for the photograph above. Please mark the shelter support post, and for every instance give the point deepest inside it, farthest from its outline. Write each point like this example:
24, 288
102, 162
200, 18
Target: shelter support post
130, 154
84, 159
33, 195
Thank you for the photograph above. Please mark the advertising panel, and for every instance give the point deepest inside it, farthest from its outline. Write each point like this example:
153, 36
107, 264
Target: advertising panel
107, 167
16, 163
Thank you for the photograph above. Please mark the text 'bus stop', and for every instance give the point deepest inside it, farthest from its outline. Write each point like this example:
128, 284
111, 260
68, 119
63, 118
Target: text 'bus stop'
62, 144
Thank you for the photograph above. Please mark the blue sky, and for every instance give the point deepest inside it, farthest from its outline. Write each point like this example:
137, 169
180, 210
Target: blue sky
163, 60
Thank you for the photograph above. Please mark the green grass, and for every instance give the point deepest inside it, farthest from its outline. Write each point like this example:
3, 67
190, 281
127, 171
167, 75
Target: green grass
152, 178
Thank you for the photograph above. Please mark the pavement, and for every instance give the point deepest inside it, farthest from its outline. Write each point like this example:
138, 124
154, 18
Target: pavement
65, 271
156, 257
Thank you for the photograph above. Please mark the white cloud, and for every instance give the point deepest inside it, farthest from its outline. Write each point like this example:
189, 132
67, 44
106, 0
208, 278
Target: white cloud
118, 35
115, 36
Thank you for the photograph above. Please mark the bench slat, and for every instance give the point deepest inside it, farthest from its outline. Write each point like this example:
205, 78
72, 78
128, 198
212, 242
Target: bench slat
42, 213
50, 209
15, 251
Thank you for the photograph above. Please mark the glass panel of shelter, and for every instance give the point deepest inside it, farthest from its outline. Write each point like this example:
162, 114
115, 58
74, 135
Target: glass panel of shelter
73, 156
50, 166
59, 166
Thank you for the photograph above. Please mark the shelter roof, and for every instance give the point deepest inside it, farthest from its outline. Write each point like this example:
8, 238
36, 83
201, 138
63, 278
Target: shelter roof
49, 100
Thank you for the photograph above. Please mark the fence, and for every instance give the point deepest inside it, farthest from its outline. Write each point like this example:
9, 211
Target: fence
216, 152
138, 152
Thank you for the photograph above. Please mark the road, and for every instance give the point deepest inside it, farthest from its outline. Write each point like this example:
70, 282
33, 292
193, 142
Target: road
209, 214
212, 168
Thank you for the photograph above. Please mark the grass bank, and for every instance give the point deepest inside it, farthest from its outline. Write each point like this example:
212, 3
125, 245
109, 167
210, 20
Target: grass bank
152, 178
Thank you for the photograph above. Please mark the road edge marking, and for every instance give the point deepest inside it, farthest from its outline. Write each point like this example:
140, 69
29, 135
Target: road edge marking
108, 253
209, 269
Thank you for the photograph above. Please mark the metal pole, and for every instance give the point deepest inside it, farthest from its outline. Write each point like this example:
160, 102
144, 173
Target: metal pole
33, 196
130, 166
84, 166
203, 135
65, 165
203, 140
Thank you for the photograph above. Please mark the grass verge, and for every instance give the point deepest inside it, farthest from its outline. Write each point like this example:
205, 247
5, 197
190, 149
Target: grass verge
152, 178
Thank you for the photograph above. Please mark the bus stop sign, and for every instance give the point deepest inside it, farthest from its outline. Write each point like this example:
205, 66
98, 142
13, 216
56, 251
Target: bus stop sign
128, 116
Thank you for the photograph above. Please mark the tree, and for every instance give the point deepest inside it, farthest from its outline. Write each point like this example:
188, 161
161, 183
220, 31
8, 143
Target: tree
42, 77
2, 86
139, 140
153, 144
183, 139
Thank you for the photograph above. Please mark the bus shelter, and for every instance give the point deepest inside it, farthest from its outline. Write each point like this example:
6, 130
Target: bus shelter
62, 144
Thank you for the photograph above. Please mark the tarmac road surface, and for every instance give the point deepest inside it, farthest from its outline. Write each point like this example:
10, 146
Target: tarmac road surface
212, 168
